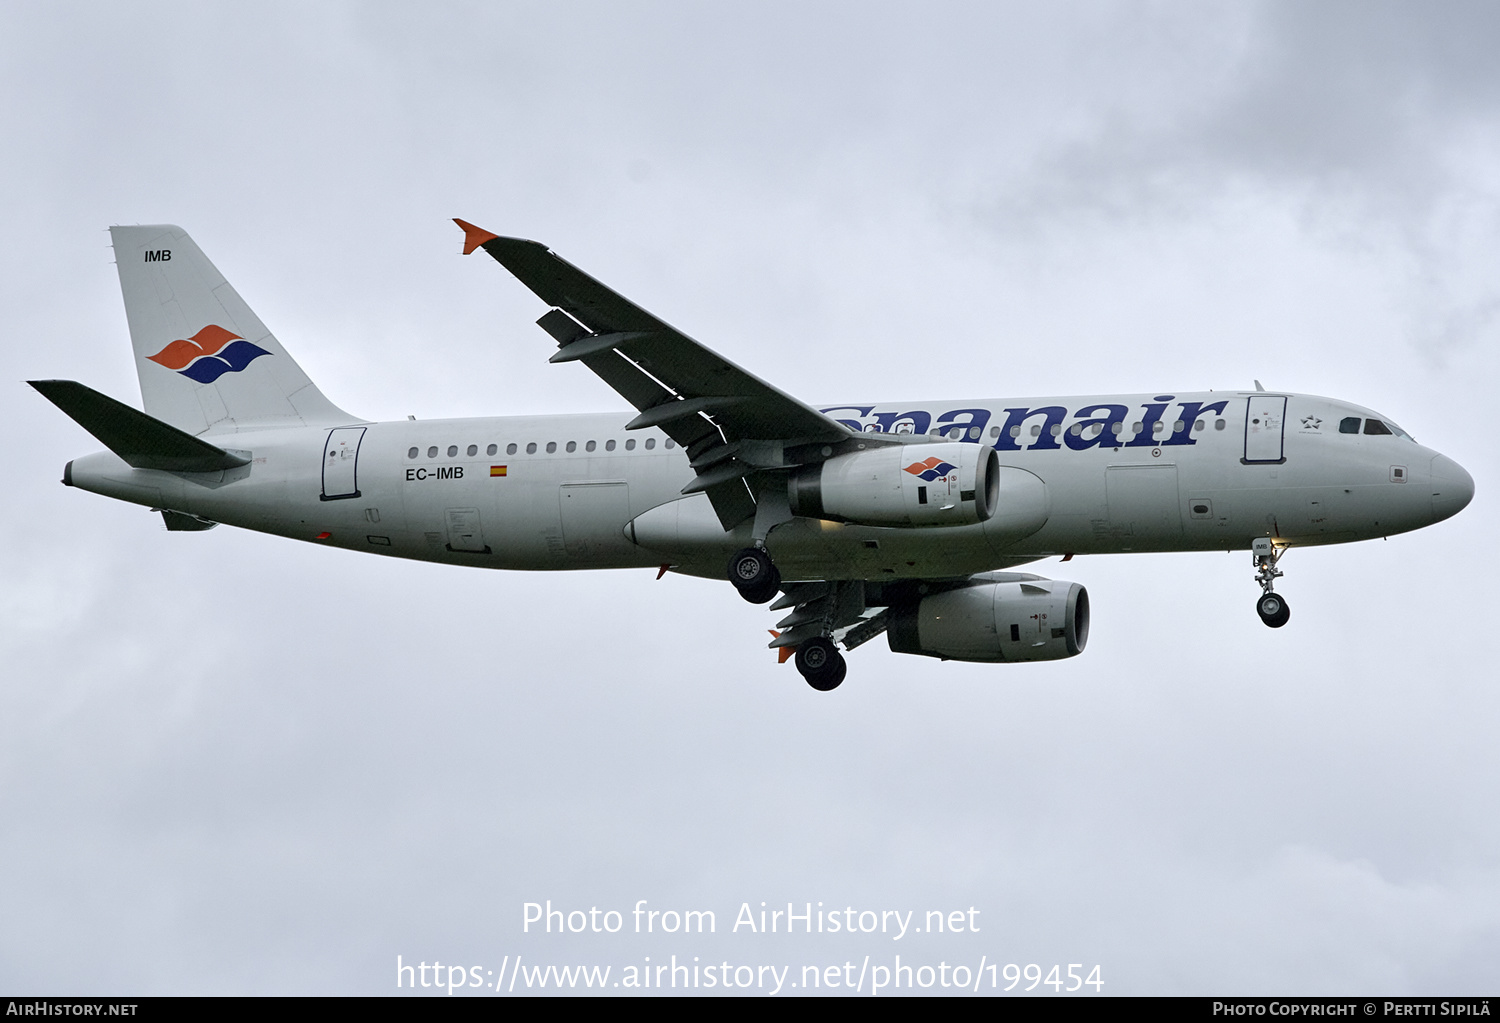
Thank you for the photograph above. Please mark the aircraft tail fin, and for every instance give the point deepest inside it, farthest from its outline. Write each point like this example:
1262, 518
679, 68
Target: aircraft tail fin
205, 360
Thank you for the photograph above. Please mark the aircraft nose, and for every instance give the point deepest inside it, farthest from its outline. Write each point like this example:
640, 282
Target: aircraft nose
1452, 487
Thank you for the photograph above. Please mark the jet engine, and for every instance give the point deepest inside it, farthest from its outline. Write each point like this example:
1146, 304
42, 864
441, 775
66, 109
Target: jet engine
1021, 619
939, 484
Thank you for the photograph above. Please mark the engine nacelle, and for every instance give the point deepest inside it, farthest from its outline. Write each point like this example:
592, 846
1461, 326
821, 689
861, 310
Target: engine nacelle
1027, 620
940, 484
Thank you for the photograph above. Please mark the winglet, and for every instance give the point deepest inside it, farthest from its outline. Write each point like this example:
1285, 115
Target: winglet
474, 236
785, 653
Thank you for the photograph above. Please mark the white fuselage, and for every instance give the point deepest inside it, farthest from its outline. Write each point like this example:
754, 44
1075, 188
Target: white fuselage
1110, 474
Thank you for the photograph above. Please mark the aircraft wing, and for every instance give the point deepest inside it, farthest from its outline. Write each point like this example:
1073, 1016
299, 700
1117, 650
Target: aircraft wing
698, 398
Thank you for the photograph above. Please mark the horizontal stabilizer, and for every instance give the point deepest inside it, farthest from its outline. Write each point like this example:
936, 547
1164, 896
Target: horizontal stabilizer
179, 522
143, 442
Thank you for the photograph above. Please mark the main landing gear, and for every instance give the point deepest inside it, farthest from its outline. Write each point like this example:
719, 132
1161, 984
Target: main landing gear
820, 662
818, 658
1272, 607
753, 574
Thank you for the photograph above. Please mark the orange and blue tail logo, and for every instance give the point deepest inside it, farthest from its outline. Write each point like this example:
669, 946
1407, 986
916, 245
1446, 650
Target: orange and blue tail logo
208, 354
930, 469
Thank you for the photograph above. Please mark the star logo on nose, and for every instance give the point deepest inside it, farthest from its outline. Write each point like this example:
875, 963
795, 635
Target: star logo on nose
1311, 422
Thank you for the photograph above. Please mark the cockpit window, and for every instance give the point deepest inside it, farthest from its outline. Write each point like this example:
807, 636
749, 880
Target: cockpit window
1374, 428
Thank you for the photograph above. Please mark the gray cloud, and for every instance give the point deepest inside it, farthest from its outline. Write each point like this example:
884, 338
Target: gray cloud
230, 763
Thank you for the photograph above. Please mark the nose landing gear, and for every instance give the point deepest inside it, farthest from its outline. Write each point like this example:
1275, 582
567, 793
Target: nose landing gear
1271, 606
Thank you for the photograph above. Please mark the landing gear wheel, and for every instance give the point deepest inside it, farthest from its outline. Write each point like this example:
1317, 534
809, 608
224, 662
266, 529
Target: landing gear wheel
821, 664
1273, 610
753, 574
1271, 606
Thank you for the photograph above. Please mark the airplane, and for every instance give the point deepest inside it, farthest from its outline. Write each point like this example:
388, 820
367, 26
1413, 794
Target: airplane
866, 518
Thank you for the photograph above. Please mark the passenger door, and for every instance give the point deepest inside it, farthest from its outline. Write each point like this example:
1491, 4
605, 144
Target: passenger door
1265, 421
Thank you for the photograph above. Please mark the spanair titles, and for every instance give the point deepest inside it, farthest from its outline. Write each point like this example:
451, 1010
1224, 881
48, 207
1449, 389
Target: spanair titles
1048, 427
850, 521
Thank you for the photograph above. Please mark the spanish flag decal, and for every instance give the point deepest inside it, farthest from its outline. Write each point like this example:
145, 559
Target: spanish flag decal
497, 470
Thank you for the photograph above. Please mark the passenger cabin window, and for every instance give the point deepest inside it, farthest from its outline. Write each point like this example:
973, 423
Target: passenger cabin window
531, 448
572, 446
432, 451
492, 449
551, 447
630, 444
650, 443
1375, 428
609, 445
589, 446
452, 450
510, 449
1349, 424
669, 444
412, 453
473, 450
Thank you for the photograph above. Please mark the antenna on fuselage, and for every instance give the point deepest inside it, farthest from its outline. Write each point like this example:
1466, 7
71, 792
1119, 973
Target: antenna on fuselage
1259, 386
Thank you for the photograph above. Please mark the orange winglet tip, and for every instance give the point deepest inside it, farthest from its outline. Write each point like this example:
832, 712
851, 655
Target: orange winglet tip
322, 536
473, 236
783, 654
662, 571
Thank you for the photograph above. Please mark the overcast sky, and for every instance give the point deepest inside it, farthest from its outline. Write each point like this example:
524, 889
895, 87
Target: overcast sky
231, 763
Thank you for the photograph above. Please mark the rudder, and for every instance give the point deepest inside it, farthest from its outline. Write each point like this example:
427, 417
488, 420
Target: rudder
205, 360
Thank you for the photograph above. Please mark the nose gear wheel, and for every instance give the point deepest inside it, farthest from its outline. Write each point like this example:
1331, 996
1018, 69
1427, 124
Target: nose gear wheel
1271, 606
1273, 610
